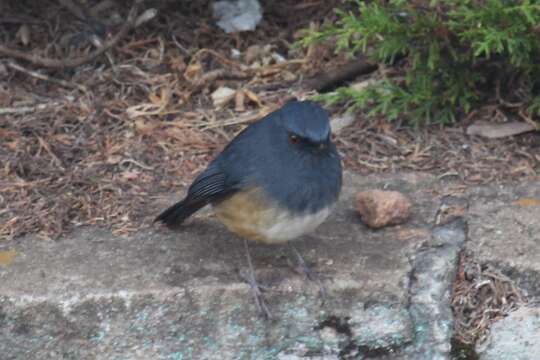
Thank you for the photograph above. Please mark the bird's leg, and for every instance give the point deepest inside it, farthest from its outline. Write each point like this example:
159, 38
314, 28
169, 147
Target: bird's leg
255, 287
304, 269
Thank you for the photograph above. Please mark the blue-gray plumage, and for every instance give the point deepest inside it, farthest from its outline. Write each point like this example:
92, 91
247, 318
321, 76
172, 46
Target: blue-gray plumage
275, 181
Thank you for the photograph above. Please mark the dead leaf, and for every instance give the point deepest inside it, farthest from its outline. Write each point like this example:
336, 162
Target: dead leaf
113, 159
144, 126
154, 99
7, 257
23, 34
412, 233
64, 139
193, 71
495, 131
361, 85
12, 145
251, 96
526, 202
239, 101
222, 96
177, 63
161, 100
269, 71
130, 175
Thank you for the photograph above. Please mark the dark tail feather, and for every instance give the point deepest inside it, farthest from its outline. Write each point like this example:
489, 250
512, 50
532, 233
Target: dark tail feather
176, 214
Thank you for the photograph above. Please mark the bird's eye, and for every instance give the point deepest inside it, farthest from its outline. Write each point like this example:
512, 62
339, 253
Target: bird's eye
294, 139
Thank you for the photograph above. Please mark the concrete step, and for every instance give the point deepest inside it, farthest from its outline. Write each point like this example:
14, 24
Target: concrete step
162, 294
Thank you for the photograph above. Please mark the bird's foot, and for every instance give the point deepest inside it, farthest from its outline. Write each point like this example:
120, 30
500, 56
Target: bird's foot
257, 291
302, 268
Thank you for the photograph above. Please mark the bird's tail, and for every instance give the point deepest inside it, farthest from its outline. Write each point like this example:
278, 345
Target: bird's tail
176, 214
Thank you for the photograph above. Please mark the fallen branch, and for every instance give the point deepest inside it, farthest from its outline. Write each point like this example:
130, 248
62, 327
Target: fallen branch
46, 77
326, 81
130, 23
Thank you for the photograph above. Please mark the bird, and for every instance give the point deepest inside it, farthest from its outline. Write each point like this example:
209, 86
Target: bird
277, 180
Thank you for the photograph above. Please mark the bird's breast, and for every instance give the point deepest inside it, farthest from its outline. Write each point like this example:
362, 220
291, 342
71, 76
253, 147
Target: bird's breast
251, 215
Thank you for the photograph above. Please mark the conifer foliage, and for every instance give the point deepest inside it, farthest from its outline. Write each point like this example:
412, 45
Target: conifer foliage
451, 55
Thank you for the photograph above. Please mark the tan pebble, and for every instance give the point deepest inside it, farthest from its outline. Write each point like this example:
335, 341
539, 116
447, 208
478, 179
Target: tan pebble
379, 208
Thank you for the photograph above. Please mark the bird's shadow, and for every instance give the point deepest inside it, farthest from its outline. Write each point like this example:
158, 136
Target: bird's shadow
208, 249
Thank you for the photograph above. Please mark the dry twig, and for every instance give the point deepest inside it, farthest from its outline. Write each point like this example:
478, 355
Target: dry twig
40, 76
27, 109
481, 297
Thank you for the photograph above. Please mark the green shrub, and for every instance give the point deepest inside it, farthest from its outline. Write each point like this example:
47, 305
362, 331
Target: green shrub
451, 56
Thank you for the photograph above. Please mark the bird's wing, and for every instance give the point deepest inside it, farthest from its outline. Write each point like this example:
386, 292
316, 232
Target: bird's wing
223, 177
210, 185
227, 173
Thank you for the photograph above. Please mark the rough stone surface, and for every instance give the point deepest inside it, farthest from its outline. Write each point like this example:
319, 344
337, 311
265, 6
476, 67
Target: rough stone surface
430, 293
504, 232
379, 208
515, 337
177, 295
504, 228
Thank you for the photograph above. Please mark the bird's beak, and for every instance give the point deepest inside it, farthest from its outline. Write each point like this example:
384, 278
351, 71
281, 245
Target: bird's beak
321, 147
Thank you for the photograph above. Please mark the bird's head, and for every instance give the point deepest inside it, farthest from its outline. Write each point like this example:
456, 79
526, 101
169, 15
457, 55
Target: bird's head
306, 126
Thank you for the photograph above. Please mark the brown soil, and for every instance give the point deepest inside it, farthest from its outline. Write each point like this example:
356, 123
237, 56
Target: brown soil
100, 143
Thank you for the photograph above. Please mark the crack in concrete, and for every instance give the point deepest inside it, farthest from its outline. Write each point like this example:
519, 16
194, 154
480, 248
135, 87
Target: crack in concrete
434, 270
434, 267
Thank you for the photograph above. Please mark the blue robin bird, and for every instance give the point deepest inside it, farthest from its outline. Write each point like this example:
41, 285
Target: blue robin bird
274, 182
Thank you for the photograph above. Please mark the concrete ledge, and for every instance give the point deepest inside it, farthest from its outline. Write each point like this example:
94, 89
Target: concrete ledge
177, 295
